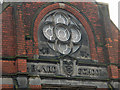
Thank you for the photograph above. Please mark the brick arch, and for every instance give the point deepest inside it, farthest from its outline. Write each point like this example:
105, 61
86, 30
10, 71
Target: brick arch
76, 13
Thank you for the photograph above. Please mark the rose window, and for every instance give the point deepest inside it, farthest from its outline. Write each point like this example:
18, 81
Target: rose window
62, 32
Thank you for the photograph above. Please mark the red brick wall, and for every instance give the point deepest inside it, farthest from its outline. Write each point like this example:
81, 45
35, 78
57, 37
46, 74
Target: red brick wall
11, 67
8, 67
7, 87
113, 56
35, 87
8, 33
26, 14
30, 11
21, 65
24, 21
90, 10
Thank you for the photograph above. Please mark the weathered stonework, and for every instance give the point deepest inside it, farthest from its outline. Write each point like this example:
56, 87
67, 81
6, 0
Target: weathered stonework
24, 67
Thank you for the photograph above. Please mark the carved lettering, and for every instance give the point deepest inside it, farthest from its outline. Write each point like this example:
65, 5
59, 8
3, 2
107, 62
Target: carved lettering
43, 68
67, 69
49, 69
88, 71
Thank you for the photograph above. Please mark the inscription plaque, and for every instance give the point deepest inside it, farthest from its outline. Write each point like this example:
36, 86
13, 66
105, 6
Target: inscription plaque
42, 68
67, 68
90, 71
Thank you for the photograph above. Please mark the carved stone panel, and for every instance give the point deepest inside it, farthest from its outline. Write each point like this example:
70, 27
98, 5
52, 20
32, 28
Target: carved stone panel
90, 71
43, 69
67, 68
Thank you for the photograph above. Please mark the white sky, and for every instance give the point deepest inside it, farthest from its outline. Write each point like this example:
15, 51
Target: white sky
113, 9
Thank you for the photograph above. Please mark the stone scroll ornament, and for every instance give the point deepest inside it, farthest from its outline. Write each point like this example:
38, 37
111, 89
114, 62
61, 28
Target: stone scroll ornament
62, 32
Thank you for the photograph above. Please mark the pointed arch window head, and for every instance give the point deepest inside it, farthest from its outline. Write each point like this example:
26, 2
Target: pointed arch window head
62, 32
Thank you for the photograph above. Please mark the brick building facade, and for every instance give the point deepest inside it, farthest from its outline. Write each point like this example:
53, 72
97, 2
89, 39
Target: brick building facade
29, 60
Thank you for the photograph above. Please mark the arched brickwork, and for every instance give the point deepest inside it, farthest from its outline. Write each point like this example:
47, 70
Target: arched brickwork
77, 14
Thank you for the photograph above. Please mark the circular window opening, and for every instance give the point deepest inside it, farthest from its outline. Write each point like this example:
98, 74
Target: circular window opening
62, 31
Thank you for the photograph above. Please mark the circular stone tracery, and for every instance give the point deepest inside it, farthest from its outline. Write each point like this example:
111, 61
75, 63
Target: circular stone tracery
62, 35
60, 17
